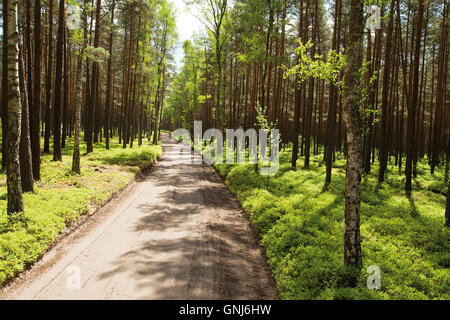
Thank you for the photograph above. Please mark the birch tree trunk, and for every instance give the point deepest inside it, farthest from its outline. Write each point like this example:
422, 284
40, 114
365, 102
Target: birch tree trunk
13, 110
352, 118
4, 84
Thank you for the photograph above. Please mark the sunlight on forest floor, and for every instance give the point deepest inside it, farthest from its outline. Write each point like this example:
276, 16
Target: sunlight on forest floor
301, 222
61, 197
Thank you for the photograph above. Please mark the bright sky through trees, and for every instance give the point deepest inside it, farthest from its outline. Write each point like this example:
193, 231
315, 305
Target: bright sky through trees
187, 24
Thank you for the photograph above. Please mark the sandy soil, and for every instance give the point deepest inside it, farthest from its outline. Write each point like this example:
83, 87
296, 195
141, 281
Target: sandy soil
177, 233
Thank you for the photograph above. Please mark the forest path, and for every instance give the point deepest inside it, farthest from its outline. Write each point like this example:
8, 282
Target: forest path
178, 233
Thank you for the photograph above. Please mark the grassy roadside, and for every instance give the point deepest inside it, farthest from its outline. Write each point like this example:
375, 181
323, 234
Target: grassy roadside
61, 197
302, 225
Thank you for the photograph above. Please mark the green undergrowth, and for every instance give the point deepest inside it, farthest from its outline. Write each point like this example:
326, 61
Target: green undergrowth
61, 197
301, 222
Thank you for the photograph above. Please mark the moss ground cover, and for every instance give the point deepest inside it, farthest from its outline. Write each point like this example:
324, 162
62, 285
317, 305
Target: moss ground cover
301, 222
61, 197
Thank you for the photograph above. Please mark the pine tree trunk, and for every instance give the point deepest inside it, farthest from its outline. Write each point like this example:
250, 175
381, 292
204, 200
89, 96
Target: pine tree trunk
4, 108
367, 142
447, 207
35, 113
440, 88
126, 123
93, 99
157, 103
310, 104
27, 56
76, 167
123, 102
57, 155
65, 103
48, 82
162, 104
109, 83
411, 143
384, 99
333, 97
26, 174
297, 102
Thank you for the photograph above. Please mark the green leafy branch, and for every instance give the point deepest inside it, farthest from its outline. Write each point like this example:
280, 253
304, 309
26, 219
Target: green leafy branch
306, 67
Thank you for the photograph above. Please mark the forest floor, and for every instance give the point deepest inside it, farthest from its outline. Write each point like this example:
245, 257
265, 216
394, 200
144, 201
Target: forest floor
178, 233
62, 198
301, 222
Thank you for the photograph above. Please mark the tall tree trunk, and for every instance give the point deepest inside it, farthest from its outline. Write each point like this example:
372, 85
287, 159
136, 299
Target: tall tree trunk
57, 155
13, 108
48, 81
367, 142
133, 120
447, 207
162, 103
109, 83
26, 174
440, 91
384, 99
76, 167
157, 104
352, 118
333, 97
310, 105
27, 56
411, 143
297, 101
65, 103
93, 99
219, 11
35, 112
266, 60
126, 120
303, 105
123, 102
4, 105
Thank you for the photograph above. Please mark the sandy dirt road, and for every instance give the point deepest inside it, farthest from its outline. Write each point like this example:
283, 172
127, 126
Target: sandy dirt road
178, 233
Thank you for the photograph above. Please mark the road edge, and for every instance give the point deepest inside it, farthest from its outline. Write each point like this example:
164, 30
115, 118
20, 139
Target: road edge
254, 230
87, 221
